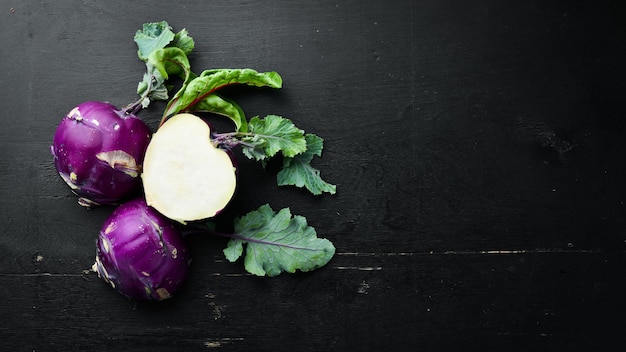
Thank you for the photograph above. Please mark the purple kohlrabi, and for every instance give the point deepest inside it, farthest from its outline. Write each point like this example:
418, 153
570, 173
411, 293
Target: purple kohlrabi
98, 150
141, 253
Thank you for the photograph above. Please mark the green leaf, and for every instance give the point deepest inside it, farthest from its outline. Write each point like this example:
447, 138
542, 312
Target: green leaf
196, 89
217, 104
153, 36
152, 87
211, 80
170, 61
165, 54
244, 76
183, 41
297, 171
271, 135
277, 242
160, 65
234, 250
167, 62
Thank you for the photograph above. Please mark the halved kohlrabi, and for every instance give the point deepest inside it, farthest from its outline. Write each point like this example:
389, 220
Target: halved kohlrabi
186, 177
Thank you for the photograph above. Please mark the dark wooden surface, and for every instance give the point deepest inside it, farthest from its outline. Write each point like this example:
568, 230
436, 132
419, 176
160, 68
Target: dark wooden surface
478, 148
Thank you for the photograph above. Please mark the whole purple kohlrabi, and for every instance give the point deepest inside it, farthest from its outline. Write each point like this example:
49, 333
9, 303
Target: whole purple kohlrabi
141, 253
98, 150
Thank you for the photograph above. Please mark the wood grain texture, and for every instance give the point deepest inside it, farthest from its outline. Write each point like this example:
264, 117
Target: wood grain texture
477, 148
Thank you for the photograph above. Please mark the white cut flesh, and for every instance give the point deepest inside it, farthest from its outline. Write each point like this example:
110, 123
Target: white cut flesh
185, 177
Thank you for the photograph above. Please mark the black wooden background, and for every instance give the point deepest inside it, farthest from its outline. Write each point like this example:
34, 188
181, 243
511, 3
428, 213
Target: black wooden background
478, 148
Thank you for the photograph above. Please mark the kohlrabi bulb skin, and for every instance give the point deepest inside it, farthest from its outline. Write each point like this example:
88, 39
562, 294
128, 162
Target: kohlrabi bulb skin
98, 150
141, 253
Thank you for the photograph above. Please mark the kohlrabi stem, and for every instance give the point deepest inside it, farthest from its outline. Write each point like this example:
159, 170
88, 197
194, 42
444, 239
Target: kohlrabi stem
133, 108
245, 134
239, 237
166, 115
236, 134
230, 140
136, 106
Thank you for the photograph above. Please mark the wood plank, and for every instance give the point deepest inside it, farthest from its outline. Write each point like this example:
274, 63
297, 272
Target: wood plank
440, 301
